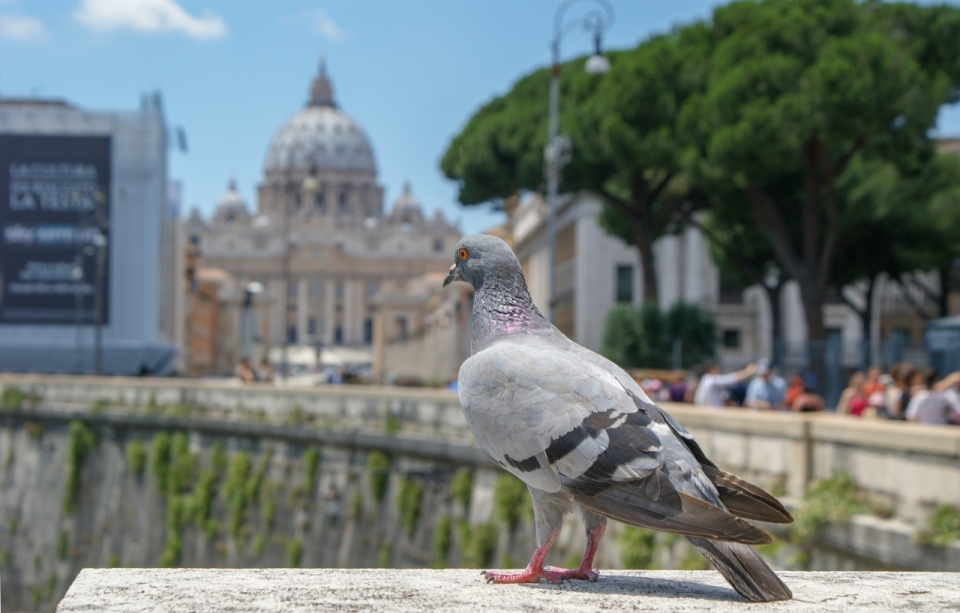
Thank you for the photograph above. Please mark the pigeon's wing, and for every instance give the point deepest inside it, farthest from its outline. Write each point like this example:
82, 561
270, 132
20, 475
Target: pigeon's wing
740, 497
564, 424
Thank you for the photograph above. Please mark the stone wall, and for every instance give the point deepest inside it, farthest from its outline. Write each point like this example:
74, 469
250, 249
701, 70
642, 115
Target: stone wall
123, 517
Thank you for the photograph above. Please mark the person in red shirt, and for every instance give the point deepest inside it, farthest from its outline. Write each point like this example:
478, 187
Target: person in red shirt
853, 400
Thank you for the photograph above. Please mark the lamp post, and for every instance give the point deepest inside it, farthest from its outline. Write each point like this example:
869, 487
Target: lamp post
557, 151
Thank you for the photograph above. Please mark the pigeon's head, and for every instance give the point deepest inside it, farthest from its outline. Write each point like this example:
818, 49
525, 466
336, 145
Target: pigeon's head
480, 257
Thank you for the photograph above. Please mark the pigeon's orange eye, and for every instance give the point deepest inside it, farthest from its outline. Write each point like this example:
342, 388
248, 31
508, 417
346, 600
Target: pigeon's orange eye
463, 253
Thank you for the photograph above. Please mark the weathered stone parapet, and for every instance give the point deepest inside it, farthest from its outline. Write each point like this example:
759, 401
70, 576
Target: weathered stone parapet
454, 591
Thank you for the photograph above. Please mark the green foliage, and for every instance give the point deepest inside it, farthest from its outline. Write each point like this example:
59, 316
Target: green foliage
311, 458
637, 547
383, 557
511, 500
461, 487
11, 458
481, 544
35, 430
80, 442
393, 425
5, 558
203, 496
98, 406
943, 527
179, 512
170, 556
259, 542
14, 398
183, 465
829, 501
355, 508
267, 506
644, 337
295, 416
36, 595
136, 456
218, 458
113, 561
692, 560
378, 468
408, 503
235, 490
294, 551
441, 541
160, 460
52, 581
63, 545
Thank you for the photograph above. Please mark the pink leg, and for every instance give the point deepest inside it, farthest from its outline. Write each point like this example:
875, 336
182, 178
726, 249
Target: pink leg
534, 571
586, 571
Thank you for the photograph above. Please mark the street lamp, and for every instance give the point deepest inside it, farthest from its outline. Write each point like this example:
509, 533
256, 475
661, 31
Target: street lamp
557, 151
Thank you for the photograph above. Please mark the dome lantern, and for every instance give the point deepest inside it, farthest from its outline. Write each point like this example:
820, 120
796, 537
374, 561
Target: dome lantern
321, 92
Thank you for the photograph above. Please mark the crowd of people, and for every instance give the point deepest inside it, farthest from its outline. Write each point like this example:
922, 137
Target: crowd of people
904, 392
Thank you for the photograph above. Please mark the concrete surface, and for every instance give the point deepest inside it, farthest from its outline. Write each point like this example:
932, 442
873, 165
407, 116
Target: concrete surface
302, 590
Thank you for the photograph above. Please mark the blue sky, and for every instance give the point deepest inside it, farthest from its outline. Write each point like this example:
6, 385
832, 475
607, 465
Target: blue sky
232, 71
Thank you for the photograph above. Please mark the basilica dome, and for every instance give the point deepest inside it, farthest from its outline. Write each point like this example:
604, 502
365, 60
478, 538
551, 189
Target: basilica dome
320, 137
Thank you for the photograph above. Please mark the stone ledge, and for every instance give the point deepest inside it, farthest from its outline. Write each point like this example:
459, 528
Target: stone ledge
440, 591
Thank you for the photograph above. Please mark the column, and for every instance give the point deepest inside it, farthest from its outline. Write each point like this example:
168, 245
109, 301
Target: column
329, 309
349, 312
280, 316
303, 310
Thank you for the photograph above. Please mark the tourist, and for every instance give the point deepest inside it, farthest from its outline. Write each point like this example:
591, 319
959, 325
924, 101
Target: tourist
806, 401
766, 390
793, 390
266, 370
938, 403
245, 372
853, 400
713, 387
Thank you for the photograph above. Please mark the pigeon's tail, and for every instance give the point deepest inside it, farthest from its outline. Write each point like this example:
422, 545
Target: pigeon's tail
744, 569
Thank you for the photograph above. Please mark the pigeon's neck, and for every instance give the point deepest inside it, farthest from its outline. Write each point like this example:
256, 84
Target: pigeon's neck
503, 307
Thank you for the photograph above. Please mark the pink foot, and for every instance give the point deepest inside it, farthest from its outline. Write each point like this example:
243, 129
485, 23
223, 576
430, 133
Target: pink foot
527, 575
583, 574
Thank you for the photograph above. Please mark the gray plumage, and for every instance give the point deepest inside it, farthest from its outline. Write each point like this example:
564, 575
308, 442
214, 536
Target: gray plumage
580, 432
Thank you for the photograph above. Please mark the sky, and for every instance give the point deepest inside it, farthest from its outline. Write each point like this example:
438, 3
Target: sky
231, 72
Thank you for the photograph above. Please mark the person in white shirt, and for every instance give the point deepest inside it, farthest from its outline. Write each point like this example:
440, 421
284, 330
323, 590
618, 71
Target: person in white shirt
712, 389
938, 404
766, 390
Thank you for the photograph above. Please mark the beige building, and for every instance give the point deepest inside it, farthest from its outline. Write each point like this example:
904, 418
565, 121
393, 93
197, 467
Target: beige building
319, 241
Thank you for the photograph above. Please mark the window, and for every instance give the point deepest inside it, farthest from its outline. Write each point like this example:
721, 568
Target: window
371, 288
438, 245
343, 201
339, 290
314, 288
368, 330
625, 283
338, 335
292, 334
400, 327
319, 203
731, 338
312, 326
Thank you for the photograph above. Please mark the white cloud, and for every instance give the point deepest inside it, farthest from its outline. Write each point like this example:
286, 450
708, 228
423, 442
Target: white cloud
326, 26
148, 16
13, 27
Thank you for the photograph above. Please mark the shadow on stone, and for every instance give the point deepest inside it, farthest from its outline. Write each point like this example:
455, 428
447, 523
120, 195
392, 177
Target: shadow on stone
646, 586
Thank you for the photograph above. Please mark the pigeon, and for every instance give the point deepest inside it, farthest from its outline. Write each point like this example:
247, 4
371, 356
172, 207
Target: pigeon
582, 435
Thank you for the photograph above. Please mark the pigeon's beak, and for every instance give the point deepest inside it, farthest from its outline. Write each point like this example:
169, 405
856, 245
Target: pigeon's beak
453, 275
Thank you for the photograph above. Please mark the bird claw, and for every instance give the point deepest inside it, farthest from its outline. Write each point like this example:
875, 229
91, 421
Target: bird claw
581, 574
524, 576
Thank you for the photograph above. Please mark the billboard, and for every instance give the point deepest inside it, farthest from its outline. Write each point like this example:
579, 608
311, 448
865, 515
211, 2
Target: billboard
54, 229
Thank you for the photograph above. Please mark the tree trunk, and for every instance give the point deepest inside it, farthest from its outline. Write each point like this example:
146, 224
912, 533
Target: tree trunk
644, 242
776, 320
943, 300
